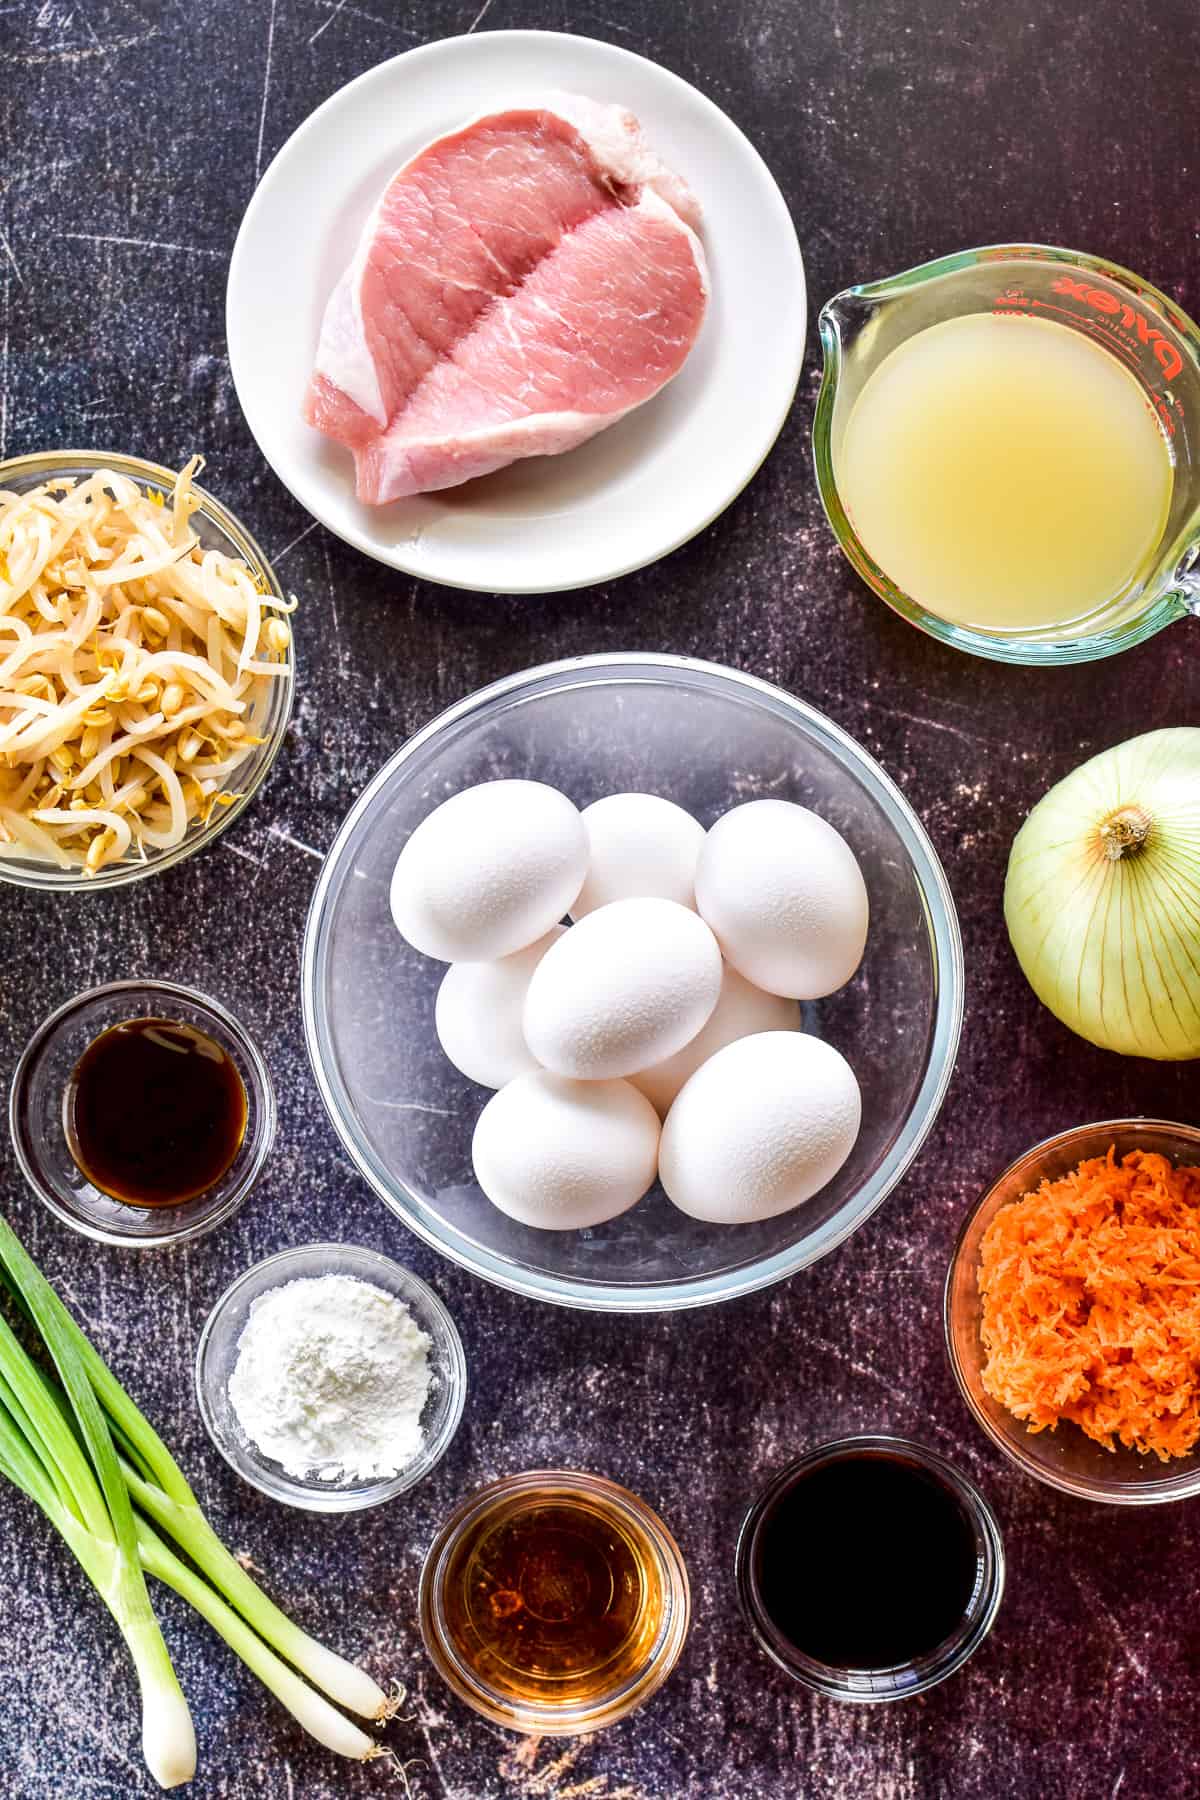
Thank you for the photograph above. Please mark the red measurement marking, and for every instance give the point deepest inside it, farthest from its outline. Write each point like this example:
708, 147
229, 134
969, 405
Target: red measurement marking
1165, 354
1104, 334
1101, 333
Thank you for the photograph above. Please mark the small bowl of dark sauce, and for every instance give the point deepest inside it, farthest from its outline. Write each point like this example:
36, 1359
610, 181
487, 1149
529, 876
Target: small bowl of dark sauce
870, 1569
142, 1113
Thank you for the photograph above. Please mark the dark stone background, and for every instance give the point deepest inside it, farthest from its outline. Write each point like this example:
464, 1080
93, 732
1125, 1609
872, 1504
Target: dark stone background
133, 131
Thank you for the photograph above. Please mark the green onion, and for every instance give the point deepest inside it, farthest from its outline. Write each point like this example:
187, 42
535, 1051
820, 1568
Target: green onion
310, 1709
42, 1455
343, 1681
162, 1491
82, 1451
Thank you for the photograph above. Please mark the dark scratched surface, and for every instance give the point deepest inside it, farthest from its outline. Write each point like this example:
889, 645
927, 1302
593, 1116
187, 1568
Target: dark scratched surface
133, 133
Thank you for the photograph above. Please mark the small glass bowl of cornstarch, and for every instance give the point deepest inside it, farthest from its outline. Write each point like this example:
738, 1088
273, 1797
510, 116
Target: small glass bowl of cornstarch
330, 1378
146, 668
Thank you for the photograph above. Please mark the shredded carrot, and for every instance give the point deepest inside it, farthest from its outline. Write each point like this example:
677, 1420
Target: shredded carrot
1091, 1304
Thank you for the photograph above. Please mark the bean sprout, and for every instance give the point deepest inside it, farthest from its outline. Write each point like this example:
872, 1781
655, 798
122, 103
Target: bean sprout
134, 668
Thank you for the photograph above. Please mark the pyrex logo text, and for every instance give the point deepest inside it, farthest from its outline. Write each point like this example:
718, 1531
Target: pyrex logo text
1102, 302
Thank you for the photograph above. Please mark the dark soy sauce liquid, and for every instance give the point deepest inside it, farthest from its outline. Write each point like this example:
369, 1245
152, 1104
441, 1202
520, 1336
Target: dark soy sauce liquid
866, 1562
155, 1112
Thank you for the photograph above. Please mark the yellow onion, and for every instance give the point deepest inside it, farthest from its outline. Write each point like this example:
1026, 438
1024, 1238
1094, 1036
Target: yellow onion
1102, 899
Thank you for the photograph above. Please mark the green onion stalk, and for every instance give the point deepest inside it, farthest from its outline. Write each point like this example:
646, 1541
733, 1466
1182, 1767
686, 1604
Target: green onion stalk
41, 1454
79, 1448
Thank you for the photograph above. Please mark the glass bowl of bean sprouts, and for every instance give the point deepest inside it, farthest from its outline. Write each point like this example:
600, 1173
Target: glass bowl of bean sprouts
146, 669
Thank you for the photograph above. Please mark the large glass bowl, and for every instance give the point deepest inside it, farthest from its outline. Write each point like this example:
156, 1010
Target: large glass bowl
1064, 1458
217, 529
707, 738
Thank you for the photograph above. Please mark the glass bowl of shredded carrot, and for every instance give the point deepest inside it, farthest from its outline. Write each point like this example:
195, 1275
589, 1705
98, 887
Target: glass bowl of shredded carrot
1072, 1311
146, 668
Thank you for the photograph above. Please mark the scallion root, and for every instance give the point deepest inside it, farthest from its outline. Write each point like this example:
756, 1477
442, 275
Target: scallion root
310, 1709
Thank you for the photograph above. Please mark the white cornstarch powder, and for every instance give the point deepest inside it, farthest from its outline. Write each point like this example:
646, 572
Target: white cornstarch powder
331, 1378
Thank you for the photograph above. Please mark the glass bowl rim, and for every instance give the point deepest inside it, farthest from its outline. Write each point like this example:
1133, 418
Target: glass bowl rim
1159, 1492
259, 1081
285, 1488
945, 942
1088, 646
935, 1666
48, 877
546, 1720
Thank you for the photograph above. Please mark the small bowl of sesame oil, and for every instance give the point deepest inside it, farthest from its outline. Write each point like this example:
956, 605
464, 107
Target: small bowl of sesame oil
554, 1602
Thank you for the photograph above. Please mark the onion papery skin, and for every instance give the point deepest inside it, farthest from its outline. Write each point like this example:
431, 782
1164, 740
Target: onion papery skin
1102, 897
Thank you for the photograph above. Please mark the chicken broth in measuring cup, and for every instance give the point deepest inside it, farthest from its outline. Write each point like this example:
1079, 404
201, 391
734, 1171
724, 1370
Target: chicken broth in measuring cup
1006, 471
1004, 447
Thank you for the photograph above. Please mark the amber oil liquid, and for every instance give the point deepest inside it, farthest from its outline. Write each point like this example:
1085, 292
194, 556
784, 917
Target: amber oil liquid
553, 1598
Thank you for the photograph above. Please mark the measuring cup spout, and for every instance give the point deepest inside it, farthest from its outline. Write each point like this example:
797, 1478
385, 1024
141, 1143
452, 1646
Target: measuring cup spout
842, 318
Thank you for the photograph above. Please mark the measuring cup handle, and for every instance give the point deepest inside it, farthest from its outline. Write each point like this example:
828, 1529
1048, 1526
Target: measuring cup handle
1186, 584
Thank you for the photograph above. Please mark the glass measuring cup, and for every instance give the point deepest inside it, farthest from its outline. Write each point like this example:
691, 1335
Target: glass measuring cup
1144, 330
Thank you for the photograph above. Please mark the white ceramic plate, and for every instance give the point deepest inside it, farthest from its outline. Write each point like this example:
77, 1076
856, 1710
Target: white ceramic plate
634, 492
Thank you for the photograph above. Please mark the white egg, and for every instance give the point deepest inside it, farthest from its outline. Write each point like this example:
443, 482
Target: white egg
628, 985
489, 871
759, 1128
638, 845
562, 1154
478, 1014
740, 1011
785, 896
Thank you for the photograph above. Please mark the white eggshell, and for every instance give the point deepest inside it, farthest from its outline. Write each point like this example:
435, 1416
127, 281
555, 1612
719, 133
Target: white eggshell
562, 1154
478, 1014
785, 896
638, 845
759, 1128
489, 871
628, 985
740, 1011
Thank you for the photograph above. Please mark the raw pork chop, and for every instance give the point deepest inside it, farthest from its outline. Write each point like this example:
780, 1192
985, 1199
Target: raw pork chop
521, 284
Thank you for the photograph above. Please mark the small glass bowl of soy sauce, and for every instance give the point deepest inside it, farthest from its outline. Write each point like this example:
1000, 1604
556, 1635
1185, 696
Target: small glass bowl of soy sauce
142, 1113
870, 1569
